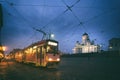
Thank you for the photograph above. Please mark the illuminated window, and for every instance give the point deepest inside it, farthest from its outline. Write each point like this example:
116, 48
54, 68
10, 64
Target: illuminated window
52, 43
52, 49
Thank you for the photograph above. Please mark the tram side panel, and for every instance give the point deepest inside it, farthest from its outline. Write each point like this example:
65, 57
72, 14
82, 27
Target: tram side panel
41, 57
29, 55
18, 56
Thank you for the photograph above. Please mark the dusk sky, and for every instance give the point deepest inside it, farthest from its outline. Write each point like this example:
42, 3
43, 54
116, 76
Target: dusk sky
67, 19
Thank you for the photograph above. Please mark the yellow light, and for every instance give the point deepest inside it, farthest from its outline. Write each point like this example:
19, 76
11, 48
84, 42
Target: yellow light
30, 50
4, 48
52, 43
20, 55
1, 55
58, 59
34, 47
50, 59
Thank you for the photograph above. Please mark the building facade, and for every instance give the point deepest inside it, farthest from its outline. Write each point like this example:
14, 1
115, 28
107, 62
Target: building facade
114, 44
86, 46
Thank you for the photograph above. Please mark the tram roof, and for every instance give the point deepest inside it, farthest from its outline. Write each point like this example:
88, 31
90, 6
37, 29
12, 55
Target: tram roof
40, 42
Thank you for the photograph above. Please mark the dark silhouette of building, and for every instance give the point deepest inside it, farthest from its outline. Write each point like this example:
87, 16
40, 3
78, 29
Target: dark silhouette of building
114, 44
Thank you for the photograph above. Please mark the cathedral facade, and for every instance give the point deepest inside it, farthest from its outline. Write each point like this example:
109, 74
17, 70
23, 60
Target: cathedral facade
86, 46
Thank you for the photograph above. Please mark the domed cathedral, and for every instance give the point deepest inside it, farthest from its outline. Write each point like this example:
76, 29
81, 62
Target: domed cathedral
85, 39
86, 46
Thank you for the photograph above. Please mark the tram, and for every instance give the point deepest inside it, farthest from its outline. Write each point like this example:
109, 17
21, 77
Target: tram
42, 53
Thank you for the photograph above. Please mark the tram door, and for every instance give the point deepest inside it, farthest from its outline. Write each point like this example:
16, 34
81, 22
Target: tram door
42, 56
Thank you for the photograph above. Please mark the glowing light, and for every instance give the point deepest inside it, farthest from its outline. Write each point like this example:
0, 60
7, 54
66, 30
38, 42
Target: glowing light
30, 50
110, 47
1, 55
52, 43
58, 59
4, 48
50, 59
52, 36
34, 47
20, 55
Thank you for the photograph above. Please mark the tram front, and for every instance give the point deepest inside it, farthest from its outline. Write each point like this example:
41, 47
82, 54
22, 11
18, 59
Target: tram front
53, 55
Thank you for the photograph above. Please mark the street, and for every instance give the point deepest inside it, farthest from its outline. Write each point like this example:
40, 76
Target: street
75, 68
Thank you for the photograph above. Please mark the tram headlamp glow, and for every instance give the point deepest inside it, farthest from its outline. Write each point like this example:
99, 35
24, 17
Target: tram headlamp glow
50, 59
58, 59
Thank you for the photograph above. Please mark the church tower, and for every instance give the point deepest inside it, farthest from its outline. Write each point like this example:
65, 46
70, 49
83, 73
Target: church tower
86, 46
85, 39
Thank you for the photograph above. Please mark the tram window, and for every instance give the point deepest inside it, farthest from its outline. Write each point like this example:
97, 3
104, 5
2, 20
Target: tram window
48, 49
38, 50
52, 49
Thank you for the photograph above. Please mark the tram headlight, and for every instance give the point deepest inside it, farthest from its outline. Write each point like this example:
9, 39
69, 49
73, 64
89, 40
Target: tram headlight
58, 59
50, 59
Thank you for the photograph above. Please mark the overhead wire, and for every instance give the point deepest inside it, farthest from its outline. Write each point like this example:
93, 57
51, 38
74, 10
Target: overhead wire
57, 16
80, 22
68, 8
11, 5
24, 43
94, 17
38, 5
84, 22
30, 25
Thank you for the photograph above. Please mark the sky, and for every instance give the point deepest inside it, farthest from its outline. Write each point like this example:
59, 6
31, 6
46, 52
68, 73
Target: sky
66, 19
